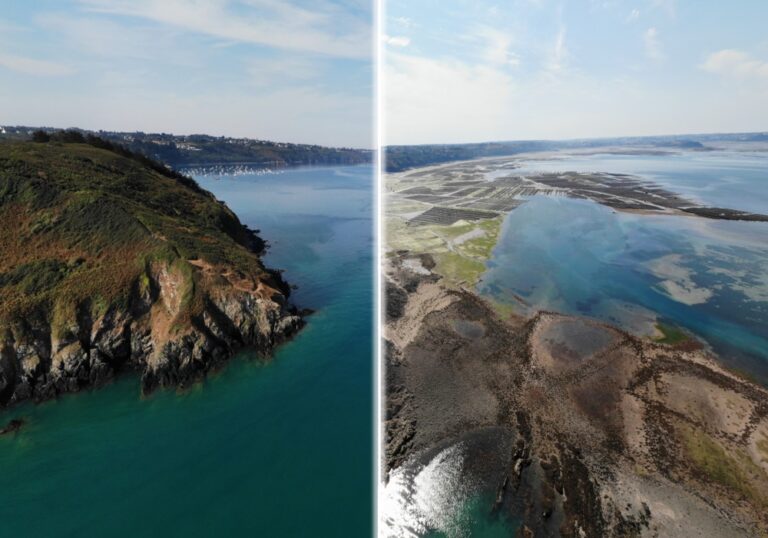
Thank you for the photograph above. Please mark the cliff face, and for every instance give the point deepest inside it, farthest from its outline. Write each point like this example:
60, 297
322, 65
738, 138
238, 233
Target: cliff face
110, 265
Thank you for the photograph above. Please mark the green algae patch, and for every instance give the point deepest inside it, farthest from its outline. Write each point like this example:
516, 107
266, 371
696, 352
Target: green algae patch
458, 270
735, 471
460, 250
762, 448
469, 246
671, 335
504, 310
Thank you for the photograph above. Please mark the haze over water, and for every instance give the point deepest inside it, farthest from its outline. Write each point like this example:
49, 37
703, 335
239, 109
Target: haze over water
255, 445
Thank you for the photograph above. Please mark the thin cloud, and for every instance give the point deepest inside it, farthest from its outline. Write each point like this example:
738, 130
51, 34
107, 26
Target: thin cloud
397, 41
498, 45
159, 65
736, 64
667, 6
95, 36
454, 86
284, 70
323, 30
32, 66
653, 48
559, 52
404, 22
456, 99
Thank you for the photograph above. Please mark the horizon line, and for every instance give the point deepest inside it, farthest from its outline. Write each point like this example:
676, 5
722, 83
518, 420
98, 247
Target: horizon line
580, 139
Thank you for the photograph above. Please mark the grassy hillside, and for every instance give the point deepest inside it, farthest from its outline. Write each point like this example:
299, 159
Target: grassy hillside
83, 224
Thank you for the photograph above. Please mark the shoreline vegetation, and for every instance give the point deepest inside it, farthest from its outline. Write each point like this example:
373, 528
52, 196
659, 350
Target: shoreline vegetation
454, 213
115, 262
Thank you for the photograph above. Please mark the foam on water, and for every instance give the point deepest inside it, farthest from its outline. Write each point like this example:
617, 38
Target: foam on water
422, 498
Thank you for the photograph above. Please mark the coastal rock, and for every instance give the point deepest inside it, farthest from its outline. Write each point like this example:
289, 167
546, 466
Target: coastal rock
34, 364
617, 435
12, 427
146, 272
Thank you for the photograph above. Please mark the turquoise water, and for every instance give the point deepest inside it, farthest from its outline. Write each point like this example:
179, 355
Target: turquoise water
709, 277
262, 448
473, 520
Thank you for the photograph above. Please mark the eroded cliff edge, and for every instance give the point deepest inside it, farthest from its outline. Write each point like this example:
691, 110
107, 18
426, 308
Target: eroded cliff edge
113, 263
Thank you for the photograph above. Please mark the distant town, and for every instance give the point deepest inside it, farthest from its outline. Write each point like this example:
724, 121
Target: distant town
193, 151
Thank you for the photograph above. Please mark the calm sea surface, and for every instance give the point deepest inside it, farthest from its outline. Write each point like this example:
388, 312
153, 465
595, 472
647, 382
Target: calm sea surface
275, 448
706, 276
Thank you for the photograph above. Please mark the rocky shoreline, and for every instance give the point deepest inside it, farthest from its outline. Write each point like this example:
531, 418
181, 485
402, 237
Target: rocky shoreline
613, 435
113, 263
36, 364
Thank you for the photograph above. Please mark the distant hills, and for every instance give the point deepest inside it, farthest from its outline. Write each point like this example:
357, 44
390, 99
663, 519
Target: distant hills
204, 151
398, 158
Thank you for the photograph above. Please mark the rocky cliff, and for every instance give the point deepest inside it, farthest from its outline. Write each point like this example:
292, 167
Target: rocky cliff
110, 264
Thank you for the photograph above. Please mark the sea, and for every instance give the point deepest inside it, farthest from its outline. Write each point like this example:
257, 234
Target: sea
706, 277
265, 447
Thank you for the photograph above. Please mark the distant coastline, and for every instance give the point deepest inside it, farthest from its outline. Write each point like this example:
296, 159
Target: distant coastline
249, 168
184, 152
399, 158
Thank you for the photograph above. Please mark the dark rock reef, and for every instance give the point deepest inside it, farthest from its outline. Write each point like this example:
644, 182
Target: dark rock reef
600, 433
111, 263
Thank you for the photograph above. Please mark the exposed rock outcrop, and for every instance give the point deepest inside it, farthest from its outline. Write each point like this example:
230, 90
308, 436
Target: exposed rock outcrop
613, 434
111, 266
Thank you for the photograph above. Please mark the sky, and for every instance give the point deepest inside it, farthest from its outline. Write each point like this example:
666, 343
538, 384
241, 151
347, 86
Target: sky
478, 70
285, 70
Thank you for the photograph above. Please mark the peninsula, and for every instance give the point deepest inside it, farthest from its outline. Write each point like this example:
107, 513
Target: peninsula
114, 262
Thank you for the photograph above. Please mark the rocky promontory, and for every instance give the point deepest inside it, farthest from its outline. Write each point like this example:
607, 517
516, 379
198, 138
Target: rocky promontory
112, 262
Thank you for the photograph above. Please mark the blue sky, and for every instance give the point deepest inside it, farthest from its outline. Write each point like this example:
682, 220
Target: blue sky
474, 70
287, 70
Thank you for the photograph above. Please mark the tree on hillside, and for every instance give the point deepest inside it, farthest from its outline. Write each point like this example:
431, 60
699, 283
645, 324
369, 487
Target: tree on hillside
40, 136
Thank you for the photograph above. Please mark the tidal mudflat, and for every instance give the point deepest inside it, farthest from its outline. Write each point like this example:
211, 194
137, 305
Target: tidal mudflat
611, 298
